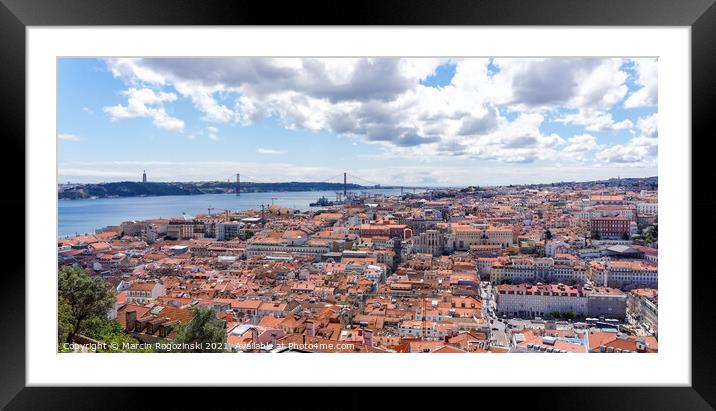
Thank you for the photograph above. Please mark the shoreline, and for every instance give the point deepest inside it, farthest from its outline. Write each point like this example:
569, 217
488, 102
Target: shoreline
77, 217
243, 192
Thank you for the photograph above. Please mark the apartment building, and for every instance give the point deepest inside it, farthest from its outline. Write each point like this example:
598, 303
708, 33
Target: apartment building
525, 269
643, 306
624, 274
228, 230
184, 230
462, 236
531, 301
143, 292
610, 227
272, 245
647, 208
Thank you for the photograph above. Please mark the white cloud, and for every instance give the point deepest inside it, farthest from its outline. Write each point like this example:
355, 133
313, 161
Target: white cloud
381, 101
146, 103
148, 96
580, 146
269, 151
638, 152
581, 83
647, 76
68, 137
591, 86
212, 133
205, 102
87, 110
649, 125
596, 121
163, 120
131, 68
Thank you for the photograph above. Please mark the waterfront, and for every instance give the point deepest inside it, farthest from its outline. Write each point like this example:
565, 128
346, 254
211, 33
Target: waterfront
88, 215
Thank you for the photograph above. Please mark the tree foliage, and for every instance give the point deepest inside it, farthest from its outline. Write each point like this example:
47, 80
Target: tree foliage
65, 321
205, 332
80, 298
651, 234
110, 332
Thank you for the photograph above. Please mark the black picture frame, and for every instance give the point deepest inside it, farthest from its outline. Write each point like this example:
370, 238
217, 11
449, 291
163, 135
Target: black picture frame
16, 15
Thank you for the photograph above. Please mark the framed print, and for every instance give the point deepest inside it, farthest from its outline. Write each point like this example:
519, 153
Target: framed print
204, 193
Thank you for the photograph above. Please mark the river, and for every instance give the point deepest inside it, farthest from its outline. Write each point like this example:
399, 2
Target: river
88, 215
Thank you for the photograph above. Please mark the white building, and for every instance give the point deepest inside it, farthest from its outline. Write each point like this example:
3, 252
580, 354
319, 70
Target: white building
141, 292
531, 301
420, 329
261, 246
643, 304
519, 270
613, 211
647, 208
228, 230
624, 273
462, 236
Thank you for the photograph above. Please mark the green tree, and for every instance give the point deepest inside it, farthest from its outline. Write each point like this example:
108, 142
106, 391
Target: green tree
65, 322
111, 333
204, 331
651, 234
84, 297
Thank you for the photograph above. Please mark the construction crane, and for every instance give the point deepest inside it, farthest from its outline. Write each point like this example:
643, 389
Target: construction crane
264, 209
226, 212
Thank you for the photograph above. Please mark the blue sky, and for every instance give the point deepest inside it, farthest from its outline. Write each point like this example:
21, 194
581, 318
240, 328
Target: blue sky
387, 120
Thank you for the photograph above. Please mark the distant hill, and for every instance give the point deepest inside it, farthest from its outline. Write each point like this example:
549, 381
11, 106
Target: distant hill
644, 183
136, 189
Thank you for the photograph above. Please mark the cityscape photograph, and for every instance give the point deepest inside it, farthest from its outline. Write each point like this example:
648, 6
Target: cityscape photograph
357, 205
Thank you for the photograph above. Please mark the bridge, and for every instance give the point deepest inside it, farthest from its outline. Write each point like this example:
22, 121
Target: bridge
343, 179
